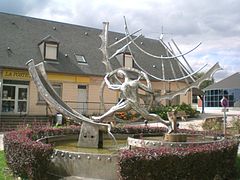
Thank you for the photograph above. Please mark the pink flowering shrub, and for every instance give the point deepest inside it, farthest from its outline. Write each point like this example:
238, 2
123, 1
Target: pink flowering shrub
28, 158
196, 162
25, 157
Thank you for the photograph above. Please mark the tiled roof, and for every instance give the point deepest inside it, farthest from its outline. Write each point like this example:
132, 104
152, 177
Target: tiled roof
20, 36
231, 82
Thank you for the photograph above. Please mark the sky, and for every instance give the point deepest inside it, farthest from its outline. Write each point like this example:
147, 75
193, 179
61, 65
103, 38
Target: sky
214, 23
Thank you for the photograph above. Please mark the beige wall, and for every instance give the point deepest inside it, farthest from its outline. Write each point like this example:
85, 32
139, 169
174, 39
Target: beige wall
110, 97
173, 86
70, 95
34, 108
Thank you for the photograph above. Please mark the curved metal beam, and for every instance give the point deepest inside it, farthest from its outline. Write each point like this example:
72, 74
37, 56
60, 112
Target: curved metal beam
152, 55
162, 79
44, 87
208, 75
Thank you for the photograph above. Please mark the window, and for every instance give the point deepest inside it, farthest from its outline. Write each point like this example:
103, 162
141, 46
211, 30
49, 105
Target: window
128, 62
125, 60
80, 59
14, 98
213, 97
49, 48
58, 90
194, 99
51, 51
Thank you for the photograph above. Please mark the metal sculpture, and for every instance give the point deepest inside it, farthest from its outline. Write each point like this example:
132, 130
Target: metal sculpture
162, 58
130, 99
91, 134
129, 88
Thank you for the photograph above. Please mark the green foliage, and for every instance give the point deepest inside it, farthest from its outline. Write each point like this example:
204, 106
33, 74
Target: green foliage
238, 166
236, 123
212, 125
4, 173
205, 83
162, 110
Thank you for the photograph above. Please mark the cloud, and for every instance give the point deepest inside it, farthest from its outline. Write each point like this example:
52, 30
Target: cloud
22, 7
215, 23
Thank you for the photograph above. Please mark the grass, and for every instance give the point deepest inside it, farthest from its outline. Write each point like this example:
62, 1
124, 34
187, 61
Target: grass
4, 173
238, 166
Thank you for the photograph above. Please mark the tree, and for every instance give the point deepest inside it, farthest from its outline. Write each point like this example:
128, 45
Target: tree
205, 83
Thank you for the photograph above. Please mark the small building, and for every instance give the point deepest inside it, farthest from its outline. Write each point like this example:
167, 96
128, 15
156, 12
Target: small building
228, 87
73, 63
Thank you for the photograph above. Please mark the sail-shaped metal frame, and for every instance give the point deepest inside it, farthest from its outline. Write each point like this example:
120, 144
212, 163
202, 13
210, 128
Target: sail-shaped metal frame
162, 58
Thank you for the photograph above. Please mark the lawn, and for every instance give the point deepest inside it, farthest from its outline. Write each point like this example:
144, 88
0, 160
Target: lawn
4, 174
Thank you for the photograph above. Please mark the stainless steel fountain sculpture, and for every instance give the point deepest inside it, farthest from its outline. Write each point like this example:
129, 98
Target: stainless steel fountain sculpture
91, 134
128, 81
130, 99
129, 87
92, 130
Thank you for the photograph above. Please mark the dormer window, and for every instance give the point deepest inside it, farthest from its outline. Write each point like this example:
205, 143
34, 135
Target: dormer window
49, 48
51, 51
128, 61
125, 60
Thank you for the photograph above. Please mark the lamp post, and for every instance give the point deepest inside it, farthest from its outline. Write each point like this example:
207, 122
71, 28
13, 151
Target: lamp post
224, 104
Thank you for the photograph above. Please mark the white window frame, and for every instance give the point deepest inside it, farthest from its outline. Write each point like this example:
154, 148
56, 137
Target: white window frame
51, 51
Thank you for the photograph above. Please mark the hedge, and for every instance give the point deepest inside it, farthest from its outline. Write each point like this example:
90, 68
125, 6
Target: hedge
28, 158
200, 162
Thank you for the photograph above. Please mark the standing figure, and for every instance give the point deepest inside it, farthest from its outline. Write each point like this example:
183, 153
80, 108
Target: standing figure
130, 99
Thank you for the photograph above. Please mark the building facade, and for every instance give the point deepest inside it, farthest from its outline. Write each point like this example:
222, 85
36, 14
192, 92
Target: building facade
73, 63
228, 87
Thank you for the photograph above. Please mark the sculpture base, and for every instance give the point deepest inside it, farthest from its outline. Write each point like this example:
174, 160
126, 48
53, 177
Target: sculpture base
175, 137
90, 136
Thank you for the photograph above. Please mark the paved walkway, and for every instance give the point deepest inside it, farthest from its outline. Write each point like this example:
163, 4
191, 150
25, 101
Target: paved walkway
196, 123
1, 141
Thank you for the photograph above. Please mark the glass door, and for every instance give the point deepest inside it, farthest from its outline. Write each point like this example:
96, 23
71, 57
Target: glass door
22, 99
8, 98
15, 99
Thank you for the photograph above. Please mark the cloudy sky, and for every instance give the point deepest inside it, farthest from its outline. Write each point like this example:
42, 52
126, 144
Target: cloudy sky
215, 23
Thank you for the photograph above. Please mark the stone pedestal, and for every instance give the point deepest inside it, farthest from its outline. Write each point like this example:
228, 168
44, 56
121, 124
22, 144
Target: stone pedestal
175, 137
90, 136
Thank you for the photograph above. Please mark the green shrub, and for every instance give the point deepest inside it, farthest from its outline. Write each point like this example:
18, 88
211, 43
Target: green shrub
236, 123
212, 125
162, 110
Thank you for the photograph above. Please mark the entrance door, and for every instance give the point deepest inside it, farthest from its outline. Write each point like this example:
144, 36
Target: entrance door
22, 99
14, 99
82, 99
